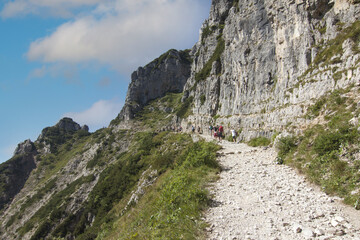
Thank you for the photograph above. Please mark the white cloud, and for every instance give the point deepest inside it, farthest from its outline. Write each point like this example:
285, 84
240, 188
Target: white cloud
56, 8
123, 34
98, 115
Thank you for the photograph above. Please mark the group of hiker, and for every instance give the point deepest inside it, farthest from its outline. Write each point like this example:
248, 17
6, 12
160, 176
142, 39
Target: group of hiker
216, 131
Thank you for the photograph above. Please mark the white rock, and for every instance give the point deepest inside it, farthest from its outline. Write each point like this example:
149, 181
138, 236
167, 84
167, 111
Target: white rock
308, 233
334, 223
339, 219
319, 232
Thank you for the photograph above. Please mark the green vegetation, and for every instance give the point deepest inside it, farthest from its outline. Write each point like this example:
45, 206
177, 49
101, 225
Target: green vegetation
205, 72
202, 99
286, 145
327, 153
259, 141
50, 164
329, 51
158, 113
334, 46
52, 208
56, 137
184, 110
216, 117
172, 207
207, 31
184, 57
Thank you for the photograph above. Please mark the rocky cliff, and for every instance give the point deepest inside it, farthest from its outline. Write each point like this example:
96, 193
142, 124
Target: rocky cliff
168, 73
259, 64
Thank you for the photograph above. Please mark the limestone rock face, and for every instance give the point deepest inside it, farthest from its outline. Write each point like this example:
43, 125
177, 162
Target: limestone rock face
168, 73
259, 64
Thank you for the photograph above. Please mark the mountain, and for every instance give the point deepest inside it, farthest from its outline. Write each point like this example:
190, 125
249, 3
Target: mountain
283, 71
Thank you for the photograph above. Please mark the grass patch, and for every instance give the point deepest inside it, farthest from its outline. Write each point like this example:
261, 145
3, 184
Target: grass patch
259, 141
158, 113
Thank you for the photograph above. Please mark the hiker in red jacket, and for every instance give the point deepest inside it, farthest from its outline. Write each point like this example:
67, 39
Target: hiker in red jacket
221, 131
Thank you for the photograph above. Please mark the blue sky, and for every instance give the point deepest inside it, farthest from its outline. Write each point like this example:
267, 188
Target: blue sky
74, 58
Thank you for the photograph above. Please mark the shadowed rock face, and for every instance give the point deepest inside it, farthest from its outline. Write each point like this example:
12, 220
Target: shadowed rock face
15, 172
168, 73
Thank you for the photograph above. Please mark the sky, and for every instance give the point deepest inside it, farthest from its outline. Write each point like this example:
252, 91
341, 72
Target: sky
74, 58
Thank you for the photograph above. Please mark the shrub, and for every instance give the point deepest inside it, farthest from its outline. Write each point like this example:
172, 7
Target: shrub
202, 153
285, 145
327, 142
315, 109
202, 99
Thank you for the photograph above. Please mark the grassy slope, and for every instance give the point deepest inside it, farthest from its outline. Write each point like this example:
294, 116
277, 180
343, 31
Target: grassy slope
170, 208
328, 153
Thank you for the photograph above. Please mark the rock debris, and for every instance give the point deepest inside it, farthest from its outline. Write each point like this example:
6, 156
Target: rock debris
257, 199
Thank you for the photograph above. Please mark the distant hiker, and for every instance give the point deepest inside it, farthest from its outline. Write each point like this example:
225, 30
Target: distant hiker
193, 128
199, 130
216, 129
221, 130
211, 129
233, 134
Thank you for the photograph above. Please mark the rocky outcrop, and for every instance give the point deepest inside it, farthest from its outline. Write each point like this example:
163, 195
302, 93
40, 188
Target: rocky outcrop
52, 137
68, 125
168, 73
64, 126
25, 147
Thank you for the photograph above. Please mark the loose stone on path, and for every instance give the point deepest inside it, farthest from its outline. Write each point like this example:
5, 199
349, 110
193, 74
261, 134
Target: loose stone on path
258, 199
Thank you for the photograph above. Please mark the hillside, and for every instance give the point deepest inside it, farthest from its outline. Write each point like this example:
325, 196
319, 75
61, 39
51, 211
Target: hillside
284, 73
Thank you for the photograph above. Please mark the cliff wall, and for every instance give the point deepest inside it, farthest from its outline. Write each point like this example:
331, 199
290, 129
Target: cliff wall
258, 65
168, 73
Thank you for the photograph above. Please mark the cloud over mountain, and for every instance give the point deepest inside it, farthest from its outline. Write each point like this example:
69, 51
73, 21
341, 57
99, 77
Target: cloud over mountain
122, 34
98, 115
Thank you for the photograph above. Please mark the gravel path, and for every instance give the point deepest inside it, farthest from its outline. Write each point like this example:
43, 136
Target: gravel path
258, 199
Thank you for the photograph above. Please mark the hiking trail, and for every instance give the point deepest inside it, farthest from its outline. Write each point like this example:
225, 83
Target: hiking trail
257, 199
